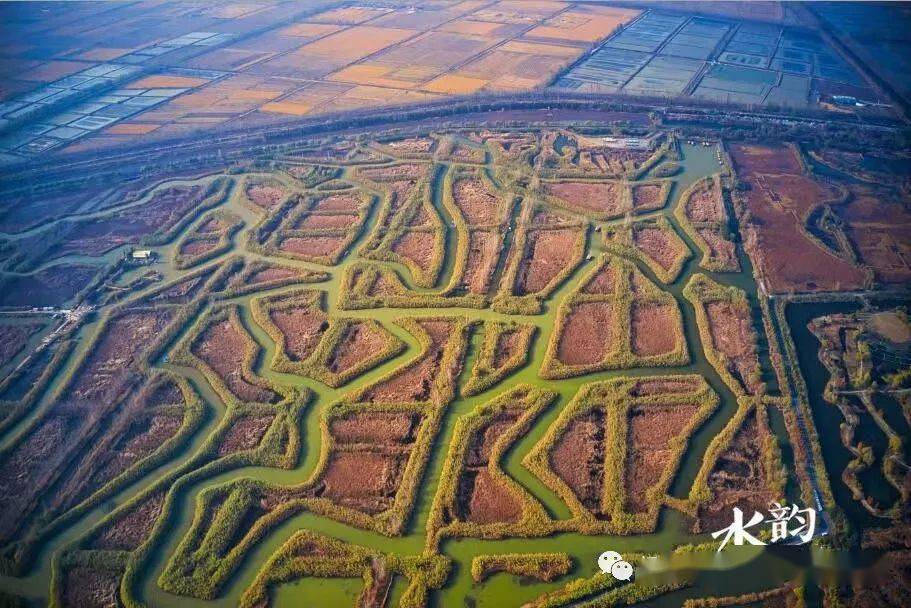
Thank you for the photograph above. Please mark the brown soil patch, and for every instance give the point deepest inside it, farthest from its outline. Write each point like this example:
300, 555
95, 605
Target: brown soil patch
476, 201
161, 212
648, 197
422, 218
480, 497
141, 439
383, 286
752, 160
639, 284
601, 197
400, 192
545, 217
892, 326
730, 327
879, 226
488, 500
654, 329
876, 206
182, 291
417, 247
320, 222
31, 459
366, 481
508, 343
131, 530
116, 353
657, 244
376, 428
483, 253
88, 587
483, 439
886, 249
359, 342
409, 171
461, 152
603, 283
721, 249
547, 254
13, 339
317, 246
302, 329
787, 258
705, 205
578, 459
165, 393
415, 383
245, 434
588, 334
273, 273
338, 202
212, 225
223, 348
738, 480
266, 196
199, 247
733, 335
648, 456
796, 193
778, 201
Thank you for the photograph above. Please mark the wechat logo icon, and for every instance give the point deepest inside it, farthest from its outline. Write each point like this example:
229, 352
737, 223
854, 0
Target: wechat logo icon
611, 562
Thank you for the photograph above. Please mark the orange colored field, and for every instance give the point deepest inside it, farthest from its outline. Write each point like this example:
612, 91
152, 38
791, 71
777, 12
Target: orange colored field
163, 81
433, 53
366, 96
52, 70
511, 71
354, 43
474, 28
350, 15
308, 30
583, 26
131, 129
519, 11
359, 57
233, 94
537, 48
253, 95
455, 84
286, 107
338, 96
370, 75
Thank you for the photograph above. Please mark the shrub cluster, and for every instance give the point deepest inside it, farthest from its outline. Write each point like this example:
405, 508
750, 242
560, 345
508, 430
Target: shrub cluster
318, 364
486, 372
528, 402
198, 571
308, 554
616, 399
632, 289
710, 260
621, 240
220, 240
545, 567
745, 375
